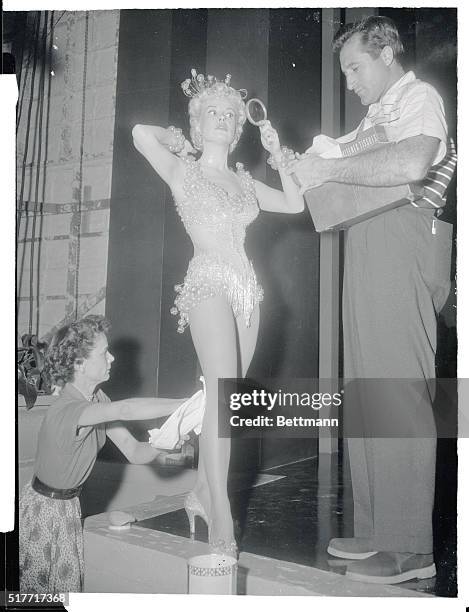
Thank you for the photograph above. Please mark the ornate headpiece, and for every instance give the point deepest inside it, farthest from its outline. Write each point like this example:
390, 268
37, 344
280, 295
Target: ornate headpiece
198, 84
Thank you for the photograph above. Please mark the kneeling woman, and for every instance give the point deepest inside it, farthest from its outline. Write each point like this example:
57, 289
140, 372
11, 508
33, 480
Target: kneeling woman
73, 431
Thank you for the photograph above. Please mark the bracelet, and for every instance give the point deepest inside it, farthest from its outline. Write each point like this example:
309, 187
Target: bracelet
288, 155
175, 139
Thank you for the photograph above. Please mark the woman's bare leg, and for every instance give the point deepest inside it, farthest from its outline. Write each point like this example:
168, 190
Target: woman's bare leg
247, 338
214, 334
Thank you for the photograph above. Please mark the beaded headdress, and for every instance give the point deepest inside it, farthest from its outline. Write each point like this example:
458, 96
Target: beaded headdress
198, 84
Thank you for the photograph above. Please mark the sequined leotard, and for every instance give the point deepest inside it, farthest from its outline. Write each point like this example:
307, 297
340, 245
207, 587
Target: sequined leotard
216, 221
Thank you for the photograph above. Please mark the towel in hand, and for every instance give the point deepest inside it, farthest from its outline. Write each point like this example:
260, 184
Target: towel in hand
325, 147
184, 419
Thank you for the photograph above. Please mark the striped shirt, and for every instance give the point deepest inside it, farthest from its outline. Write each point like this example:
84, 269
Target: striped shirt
410, 108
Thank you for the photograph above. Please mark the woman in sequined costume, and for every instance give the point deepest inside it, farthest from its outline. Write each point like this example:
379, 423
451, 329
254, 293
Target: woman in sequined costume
220, 295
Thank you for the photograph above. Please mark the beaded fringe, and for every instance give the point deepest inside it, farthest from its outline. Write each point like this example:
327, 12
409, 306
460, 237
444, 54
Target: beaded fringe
208, 276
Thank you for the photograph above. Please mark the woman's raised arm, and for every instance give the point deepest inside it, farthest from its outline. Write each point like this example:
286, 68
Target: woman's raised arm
156, 143
273, 200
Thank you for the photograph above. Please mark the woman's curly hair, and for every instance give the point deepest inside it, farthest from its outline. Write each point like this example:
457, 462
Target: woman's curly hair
195, 109
72, 344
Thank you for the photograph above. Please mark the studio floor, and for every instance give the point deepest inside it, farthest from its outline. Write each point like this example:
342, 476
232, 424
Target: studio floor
290, 516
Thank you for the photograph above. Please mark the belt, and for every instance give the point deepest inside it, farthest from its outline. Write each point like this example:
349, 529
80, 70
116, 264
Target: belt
44, 489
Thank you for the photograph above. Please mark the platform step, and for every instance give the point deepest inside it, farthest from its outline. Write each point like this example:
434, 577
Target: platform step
141, 560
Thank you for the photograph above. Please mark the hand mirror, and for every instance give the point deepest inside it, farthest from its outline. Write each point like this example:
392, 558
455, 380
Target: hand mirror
256, 111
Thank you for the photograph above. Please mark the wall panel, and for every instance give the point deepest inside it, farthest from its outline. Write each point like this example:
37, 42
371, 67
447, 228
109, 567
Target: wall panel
136, 229
178, 362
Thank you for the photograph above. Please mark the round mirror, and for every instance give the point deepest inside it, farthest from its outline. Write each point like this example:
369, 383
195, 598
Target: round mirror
256, 111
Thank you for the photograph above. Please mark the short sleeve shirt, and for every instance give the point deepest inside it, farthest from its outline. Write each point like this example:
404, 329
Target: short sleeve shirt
67, 453
409, 108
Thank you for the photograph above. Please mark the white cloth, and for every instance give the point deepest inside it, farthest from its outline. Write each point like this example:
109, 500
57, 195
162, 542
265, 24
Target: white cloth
325, 147
187, 417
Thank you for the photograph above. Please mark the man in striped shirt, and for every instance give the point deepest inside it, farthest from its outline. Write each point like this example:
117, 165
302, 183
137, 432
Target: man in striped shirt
396, 277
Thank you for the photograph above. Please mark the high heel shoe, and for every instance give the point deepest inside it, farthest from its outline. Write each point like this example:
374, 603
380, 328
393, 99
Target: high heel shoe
194, 508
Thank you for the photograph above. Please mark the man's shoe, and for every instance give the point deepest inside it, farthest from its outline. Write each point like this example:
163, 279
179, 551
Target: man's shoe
351, 548
392, 568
